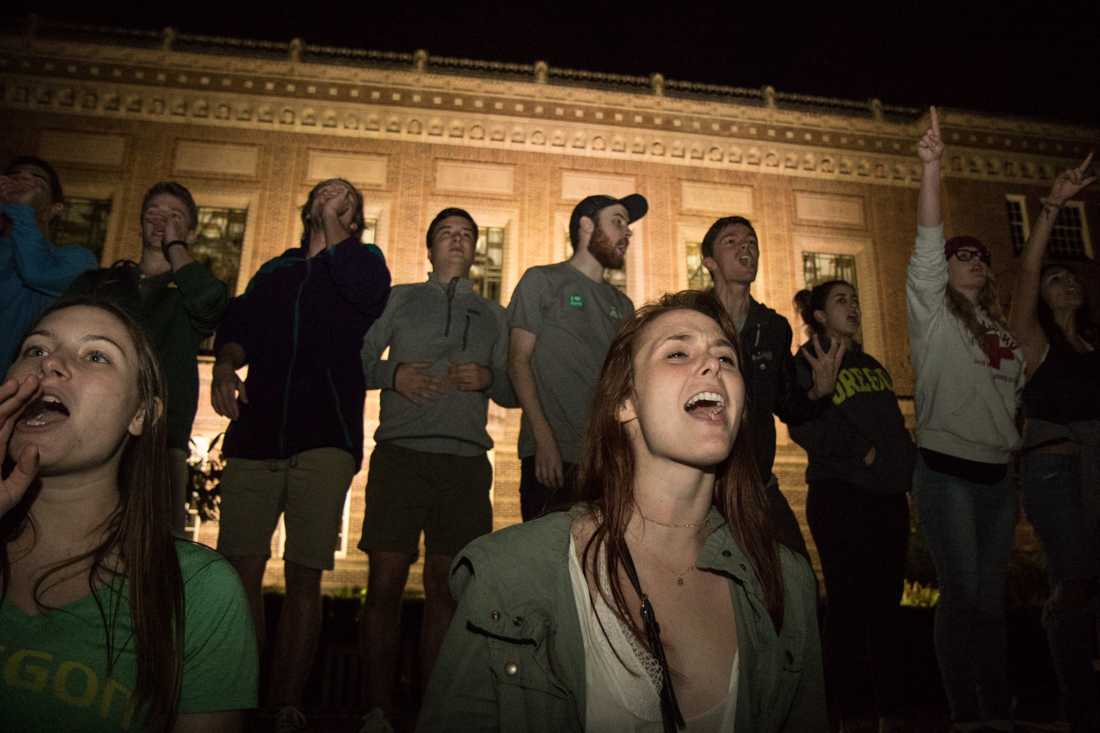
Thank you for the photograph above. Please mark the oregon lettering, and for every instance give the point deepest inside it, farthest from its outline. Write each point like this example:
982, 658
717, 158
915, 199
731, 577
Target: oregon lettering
860, 379
69, 682
576, 301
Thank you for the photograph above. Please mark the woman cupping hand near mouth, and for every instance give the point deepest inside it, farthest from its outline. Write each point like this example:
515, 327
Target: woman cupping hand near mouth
108, 622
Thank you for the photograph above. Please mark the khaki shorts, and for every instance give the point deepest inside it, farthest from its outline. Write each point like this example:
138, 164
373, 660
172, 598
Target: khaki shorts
444, 495
308, 489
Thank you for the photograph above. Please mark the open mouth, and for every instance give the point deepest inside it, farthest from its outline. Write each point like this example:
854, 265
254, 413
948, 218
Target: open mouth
708, 406
46, 410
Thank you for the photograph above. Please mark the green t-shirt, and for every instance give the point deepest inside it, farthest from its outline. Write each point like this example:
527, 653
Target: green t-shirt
574, 320
53, 666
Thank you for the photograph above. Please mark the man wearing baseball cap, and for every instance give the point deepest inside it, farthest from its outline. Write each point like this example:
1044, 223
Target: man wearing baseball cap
563, 318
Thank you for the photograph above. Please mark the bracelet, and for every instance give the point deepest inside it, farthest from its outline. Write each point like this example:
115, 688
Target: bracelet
1047, 201
173, 243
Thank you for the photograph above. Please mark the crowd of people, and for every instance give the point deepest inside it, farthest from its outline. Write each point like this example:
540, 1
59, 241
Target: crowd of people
659, 580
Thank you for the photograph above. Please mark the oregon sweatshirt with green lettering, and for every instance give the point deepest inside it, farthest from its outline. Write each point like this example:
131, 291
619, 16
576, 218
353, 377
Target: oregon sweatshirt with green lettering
862, 414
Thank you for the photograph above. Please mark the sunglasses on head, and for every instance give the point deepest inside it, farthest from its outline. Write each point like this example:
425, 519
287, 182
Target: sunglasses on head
965, 255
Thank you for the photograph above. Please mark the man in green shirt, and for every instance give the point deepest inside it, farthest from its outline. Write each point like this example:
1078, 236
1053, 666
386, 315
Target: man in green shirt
563, 317
178, 302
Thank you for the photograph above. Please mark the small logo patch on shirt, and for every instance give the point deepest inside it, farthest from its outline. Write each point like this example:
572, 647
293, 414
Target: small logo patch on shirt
576, 301
614, 312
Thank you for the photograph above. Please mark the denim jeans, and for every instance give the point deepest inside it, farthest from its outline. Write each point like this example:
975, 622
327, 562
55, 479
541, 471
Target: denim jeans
969, 528
1053, 502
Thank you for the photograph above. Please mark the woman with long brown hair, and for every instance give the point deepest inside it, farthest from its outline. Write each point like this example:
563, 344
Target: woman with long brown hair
660, 601
108, 622
1060, 461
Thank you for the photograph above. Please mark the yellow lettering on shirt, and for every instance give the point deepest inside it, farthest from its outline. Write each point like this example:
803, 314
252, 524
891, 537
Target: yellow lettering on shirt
70, 682
852, 380
84, 684
29, 676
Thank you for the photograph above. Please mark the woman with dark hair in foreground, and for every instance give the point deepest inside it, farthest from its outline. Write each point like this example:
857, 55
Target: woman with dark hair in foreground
659, 601
108, 622
1060, 465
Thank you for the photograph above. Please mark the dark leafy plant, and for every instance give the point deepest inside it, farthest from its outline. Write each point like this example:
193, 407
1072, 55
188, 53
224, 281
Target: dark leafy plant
206, 475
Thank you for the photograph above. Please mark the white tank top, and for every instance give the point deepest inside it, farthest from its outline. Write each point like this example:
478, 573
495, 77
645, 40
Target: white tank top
619, 700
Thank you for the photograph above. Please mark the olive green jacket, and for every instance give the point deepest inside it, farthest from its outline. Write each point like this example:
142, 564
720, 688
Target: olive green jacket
513, 659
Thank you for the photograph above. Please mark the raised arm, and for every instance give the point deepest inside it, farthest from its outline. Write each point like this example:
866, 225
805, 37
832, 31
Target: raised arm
926, 280
930, 151
1024, 315
39, 264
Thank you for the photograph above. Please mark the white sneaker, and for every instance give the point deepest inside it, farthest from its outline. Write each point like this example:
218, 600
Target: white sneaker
290, 719
375, 722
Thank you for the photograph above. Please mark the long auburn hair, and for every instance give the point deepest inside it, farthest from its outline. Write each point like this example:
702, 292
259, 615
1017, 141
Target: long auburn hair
137, 548
605, 479
987, 303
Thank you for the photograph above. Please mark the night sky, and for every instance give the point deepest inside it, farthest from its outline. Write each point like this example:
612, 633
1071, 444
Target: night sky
1033, 59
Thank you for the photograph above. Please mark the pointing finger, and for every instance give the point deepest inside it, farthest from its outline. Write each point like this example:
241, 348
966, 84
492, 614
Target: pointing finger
935, 121
1085, 166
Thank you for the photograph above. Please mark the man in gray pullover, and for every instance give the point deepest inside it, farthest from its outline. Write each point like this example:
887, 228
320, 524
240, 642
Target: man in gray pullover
448, 354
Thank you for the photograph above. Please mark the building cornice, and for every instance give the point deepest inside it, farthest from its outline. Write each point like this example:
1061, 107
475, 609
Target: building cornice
413, 103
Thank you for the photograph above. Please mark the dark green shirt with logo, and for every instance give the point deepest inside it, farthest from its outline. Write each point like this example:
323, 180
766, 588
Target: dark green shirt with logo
574, 319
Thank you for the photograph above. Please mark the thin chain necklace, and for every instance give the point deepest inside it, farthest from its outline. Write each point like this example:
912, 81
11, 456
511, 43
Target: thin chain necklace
673, 525
678, 575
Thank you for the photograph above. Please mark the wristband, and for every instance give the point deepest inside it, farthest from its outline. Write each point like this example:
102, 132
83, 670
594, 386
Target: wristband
173, 243
1047, 201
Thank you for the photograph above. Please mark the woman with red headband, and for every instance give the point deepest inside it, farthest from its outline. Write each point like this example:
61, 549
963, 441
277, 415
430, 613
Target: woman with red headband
968, 371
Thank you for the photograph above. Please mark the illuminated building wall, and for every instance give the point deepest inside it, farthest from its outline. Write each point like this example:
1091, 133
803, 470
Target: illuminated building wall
250, 127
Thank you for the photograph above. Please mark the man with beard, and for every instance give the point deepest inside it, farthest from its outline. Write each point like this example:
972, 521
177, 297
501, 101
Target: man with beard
731, 253
563, 318
178, 301
33, 272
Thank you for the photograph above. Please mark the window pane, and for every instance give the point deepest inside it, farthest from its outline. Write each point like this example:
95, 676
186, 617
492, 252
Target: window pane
488, 258
220, 241
370, 232
1016, 227
698, 275
1067, 239
83, 222
819, 267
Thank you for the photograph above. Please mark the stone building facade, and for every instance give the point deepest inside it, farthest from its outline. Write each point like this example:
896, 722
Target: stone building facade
250, 127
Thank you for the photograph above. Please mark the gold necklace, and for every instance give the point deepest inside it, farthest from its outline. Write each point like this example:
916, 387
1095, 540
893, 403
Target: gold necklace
673, 525
678, 575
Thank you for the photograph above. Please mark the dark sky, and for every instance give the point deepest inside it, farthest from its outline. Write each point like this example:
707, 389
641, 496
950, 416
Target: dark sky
1034, 59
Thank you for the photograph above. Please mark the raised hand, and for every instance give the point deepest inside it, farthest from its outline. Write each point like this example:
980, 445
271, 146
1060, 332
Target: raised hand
226, 388
825, 365
1070, 183
336, 204
8, 187
413, 383
930, 146
14, 396
174, 228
